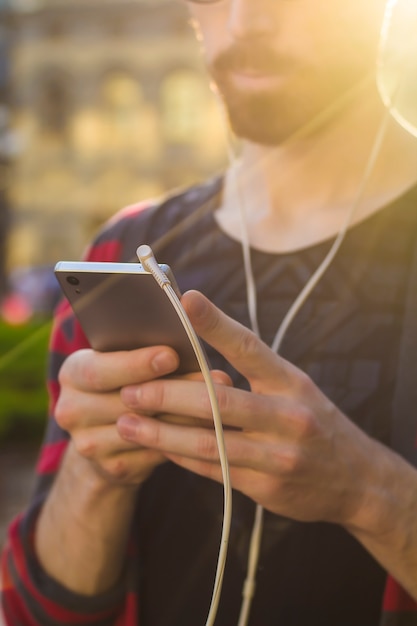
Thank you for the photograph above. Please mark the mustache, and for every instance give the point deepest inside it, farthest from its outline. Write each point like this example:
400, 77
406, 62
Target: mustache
258, 57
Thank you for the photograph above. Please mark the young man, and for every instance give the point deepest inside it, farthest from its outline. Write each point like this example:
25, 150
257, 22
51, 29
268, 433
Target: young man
125, 525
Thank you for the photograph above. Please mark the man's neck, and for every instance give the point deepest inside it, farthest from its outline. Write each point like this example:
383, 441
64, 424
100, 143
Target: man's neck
299, 193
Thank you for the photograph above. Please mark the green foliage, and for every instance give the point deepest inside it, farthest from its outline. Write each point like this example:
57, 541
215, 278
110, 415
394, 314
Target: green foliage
23, 396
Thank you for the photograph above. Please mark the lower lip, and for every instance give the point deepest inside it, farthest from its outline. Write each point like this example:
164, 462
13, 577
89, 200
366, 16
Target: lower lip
256, 81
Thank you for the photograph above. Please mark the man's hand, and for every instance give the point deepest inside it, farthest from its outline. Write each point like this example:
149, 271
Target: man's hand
289, 448
83, 527
89, 405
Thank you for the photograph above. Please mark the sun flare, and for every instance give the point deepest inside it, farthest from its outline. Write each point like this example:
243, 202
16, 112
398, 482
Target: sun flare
397, 63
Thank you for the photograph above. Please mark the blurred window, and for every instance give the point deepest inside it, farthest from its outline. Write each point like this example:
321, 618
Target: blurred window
120, 94
184, 98
54, 104
130, 121
55, 29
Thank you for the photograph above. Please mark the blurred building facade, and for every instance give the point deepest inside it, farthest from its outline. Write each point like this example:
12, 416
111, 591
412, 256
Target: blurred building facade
110, 105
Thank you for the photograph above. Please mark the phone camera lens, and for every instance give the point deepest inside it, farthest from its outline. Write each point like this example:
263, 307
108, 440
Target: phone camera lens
73, 280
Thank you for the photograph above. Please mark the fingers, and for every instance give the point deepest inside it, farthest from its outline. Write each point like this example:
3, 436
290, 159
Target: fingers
118, 460
183, 420
101, 441
239, 345
88, 370
248, 411
195, 443
217, 376
181, 397
75, 409
243, 479
89, 405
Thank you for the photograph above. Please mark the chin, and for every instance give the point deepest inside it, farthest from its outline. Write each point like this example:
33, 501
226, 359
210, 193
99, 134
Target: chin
267, 118
262, 134
273, 117
260, 123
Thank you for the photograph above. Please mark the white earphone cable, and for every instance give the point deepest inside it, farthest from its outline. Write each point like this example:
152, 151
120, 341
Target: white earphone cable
148, 261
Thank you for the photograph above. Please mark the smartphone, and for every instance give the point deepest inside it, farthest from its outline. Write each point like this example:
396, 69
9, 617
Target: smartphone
120, 306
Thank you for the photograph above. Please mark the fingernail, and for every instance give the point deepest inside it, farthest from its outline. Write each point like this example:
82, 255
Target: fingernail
127, 427
199, 307
164, 362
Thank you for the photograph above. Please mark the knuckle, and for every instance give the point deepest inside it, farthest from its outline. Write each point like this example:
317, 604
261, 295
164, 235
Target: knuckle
305, 423
85, 446
207, 447
79, 366
248, 344
154, 436
221, 378
152, 395
283, 462
64, 412
90, 376
115, 468
149, 433
291, 461
65, 372
223, 400
250, 404
71, 365
274, 460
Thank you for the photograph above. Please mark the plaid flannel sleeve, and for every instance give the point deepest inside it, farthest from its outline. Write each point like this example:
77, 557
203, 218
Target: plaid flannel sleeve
29, 596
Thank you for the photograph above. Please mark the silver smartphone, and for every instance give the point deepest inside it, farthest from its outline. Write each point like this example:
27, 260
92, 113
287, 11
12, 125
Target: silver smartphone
120, 306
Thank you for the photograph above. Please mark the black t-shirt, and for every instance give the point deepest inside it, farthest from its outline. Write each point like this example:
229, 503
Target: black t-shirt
346, 337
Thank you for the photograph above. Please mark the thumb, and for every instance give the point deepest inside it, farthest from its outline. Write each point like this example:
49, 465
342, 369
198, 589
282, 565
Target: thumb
248, 354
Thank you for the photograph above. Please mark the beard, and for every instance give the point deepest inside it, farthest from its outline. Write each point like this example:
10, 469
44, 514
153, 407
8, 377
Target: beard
261, 118
264, 116
271, 116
